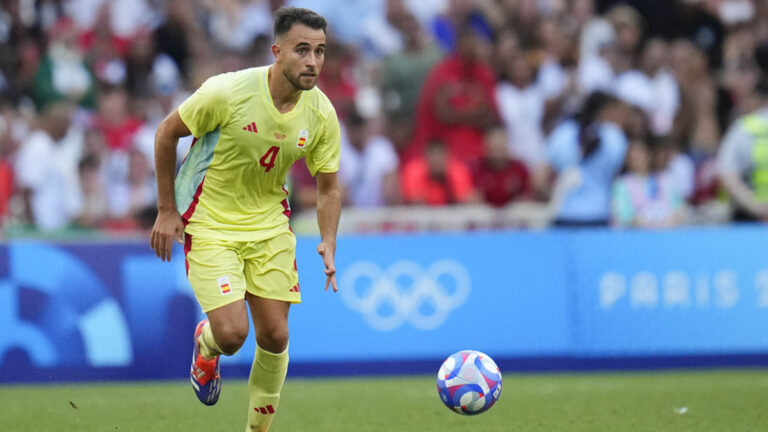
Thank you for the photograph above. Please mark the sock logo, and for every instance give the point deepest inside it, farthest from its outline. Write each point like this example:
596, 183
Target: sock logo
224, 285
265, 409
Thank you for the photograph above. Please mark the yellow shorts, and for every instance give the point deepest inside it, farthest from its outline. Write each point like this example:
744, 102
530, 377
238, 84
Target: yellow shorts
222, 271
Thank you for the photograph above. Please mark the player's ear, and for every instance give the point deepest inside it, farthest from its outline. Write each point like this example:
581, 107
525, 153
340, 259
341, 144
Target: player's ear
276, 50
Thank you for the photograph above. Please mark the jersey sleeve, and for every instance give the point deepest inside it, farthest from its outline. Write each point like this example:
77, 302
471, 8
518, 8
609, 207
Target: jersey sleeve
324, 156
207, 108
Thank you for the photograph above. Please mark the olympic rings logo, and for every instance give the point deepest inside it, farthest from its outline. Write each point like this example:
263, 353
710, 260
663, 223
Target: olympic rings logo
405, 292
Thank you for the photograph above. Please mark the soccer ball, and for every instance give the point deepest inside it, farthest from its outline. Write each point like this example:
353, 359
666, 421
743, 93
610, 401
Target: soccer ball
469, 382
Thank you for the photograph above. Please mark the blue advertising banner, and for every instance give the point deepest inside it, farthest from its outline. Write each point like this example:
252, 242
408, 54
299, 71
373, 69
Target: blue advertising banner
111, 311
671, 293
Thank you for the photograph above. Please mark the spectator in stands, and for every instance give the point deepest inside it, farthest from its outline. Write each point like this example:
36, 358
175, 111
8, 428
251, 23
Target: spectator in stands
646, 196
521, 106
115, 120
105, 51
46, 171
94, 211
457, 103
92, 172
63, 74
130, 195
697, 22
7, 145
696, 126
460, 16
235, 24
337, 80
369, 165
654, 67
742, 162
587, 153
403, 72
402, 78
498, 178
181, 36
437, 178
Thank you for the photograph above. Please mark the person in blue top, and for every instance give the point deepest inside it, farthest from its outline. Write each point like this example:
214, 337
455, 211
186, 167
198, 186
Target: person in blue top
586, 153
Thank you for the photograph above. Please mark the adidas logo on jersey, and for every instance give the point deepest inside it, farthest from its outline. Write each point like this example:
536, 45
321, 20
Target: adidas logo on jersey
251, 128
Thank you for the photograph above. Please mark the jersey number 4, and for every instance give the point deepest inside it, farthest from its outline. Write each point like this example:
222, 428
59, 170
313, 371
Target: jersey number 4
268, 160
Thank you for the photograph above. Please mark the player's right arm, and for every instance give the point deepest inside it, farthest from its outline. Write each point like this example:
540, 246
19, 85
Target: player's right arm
168, 225
202, 112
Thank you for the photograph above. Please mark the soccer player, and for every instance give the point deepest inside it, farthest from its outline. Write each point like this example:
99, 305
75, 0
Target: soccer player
229, 206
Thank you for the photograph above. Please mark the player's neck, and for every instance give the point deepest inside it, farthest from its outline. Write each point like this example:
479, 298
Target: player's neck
284, 94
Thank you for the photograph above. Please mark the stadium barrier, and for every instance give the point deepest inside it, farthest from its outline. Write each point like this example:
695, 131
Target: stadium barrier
547, 300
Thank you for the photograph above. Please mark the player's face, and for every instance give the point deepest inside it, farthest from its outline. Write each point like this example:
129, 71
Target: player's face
301, 53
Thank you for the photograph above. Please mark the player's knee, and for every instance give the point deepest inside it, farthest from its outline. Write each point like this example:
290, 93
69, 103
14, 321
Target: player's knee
274, 339
232, 338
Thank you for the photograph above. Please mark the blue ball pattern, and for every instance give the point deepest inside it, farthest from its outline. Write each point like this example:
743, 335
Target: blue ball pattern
469, 382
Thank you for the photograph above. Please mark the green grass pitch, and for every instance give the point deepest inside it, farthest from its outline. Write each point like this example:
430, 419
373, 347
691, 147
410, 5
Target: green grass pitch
698, 401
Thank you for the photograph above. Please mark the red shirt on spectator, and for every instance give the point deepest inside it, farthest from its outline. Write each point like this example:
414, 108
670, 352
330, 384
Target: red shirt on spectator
500, 185
6, 188
119, 136
466, 86
420, 186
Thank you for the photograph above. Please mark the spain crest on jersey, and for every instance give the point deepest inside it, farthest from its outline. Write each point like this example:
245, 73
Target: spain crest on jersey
303, 137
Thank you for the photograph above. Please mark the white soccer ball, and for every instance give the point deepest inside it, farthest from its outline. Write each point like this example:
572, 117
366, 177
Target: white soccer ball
469, 382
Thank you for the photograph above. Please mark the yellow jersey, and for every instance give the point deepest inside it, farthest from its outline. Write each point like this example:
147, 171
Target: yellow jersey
231, 183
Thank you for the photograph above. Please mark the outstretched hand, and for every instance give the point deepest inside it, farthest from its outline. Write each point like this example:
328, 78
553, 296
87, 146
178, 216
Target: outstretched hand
168, 226
327, 252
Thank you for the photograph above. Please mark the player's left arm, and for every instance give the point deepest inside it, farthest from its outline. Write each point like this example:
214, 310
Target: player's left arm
328, 212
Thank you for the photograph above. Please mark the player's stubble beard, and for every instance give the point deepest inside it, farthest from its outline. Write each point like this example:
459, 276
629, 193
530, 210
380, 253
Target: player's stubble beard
296, 81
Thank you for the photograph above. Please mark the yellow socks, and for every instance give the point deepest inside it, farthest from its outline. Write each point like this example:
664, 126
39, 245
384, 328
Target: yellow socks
266, 380
208, 347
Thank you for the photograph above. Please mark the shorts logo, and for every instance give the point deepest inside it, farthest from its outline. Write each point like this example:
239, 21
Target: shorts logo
295, 288
303, 137
224, 285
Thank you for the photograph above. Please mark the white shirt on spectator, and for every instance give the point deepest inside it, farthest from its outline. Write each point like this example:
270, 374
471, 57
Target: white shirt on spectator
597, 33
682, 171
363, 172
552, 79
635, 88
126, 16
237, 33
49, 170
522, 111
667, 96
595, 73
657, 96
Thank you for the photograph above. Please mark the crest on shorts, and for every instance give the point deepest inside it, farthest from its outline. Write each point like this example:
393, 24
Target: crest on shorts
224, 285
303, 137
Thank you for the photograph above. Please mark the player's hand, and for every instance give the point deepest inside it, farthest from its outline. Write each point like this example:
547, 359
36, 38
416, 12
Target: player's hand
168, 226
327, 252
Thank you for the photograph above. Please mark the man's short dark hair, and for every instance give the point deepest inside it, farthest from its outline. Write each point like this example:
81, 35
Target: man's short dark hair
286, 17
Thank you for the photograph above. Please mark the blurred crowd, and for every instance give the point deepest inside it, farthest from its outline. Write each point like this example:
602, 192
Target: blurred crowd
613, 112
